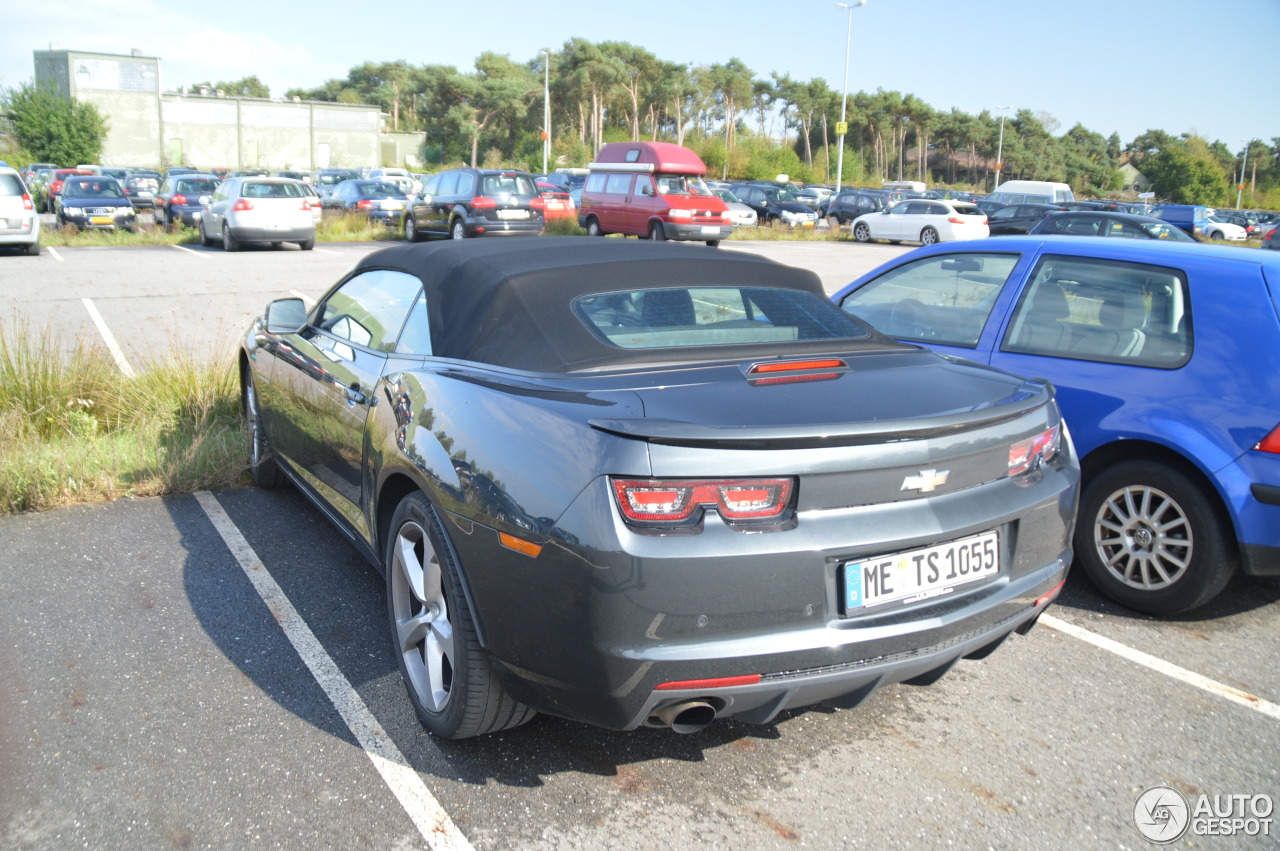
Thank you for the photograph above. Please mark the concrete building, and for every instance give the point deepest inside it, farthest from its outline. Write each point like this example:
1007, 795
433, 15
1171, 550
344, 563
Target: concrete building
147, 127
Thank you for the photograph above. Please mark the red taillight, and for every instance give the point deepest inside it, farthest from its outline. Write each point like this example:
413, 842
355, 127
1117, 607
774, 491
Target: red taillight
364, 205
1026, 454
26, 202
1270, 443
539, 203
956, 221
243, 204
797, 365
1270, 234
180, 199
306, 205
718, 682
670, 501
481, 202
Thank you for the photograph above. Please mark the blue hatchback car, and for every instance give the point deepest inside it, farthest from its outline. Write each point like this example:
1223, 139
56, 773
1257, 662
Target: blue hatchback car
1166, 357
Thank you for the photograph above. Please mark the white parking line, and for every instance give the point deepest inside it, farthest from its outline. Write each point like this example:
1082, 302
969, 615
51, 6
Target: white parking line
1169, 669
109, 338
306, 298
327, 251
202, 254
432, 821
54, 252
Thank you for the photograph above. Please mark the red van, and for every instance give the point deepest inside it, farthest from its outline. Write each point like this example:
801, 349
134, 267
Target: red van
652, 189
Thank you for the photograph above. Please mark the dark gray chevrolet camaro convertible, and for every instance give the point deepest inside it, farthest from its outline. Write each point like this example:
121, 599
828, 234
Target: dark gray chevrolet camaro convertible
638, 484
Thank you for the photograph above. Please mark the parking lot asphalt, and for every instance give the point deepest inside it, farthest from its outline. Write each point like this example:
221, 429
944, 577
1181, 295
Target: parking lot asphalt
151, 697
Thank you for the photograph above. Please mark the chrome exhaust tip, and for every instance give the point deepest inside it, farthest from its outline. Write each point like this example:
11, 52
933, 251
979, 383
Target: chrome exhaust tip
687, 717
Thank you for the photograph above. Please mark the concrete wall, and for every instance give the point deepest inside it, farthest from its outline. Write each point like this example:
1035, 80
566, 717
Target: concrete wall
146, 128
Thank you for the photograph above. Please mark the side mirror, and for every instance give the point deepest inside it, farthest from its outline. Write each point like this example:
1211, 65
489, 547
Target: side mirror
426, 199
286, 315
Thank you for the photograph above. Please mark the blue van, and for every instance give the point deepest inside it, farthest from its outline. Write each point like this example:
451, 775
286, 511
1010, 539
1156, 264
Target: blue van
1189, 217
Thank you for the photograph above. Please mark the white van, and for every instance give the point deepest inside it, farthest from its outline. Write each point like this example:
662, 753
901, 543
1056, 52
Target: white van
1031, 192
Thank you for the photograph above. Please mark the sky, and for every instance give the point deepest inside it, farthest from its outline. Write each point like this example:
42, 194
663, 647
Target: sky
1125, 66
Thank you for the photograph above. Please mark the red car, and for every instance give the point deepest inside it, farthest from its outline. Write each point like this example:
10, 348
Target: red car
558, 203
55, 185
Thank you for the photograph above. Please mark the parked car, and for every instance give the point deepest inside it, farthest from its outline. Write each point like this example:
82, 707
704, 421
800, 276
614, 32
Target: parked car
845, 206
1019, 218
94, 202
467, 202
654, 190
29, 173
19, 221
814, 196
1108, 224
740, 214
1165, 357
328, 178
923, 219
377, 199
55, 186
182, 198
775, 203
141, 189
1227, 227
571, 478
258, 209
1191, 218
987, 206
1032, 192
557, 202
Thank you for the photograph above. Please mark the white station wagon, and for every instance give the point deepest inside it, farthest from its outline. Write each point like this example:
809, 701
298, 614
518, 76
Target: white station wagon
923, 220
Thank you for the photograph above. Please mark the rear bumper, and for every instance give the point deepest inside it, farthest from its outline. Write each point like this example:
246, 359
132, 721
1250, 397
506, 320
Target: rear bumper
264, 234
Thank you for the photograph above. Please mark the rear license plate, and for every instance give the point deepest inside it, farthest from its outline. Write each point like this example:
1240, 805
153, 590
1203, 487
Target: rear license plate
513, 214
915, 575
101, 220
392, 205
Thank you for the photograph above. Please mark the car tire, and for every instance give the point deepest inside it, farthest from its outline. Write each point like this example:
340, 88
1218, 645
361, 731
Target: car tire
861, 232
656, 232
593, 227
458, 230
713, 243
450, 682
833, 222
307, 244
33, 249
204, 237
929, 236
279, 244
229, 242
411, 230
1150, 538
263, 467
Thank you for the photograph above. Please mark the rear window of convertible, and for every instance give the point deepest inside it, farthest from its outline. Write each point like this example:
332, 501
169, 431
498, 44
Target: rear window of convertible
709, 316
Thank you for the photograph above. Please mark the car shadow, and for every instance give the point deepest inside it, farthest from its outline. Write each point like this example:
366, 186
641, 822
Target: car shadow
342, 599
1243, 594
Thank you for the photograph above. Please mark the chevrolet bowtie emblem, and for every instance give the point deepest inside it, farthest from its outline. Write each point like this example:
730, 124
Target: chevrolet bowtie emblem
928, 480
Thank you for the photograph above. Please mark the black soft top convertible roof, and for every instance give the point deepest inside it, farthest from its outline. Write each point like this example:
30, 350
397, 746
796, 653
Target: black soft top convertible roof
508, 302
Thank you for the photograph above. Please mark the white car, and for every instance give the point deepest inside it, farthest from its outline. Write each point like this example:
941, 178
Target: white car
258, 209
925, 220
19, 222
1221, 229
742, 215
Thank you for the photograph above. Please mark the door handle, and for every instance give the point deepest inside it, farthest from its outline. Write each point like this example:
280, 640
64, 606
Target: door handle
353, 395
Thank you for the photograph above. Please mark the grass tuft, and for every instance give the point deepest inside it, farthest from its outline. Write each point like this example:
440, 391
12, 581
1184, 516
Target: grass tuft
78, 431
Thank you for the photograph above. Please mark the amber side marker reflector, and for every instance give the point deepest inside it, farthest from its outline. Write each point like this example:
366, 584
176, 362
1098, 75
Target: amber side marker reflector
520, 545
721, 682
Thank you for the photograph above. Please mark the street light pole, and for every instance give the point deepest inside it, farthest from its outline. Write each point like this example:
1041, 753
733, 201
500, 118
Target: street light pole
1000, 147
844, 97
546, 107
1243, 164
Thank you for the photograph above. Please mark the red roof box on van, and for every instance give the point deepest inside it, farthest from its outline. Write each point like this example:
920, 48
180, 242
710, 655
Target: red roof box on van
651, 157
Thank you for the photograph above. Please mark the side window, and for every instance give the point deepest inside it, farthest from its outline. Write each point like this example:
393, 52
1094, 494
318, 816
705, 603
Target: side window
1003, 214
594, 183
432, 186
1104, 310
644, 185
944, 299
415, 339
369, 310
449, 183
618, 184
466, 183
